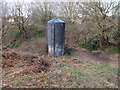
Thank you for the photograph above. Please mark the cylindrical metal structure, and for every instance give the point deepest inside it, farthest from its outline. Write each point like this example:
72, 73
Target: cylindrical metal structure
56, 34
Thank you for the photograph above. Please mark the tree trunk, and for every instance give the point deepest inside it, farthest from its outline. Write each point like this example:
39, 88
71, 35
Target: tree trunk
102, 40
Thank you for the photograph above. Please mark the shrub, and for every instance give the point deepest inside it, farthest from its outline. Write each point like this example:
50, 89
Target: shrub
68, 50
11, 35
40, 33
93, 45
31, 27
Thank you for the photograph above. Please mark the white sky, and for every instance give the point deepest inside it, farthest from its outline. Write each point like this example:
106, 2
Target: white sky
55, 0
27, 1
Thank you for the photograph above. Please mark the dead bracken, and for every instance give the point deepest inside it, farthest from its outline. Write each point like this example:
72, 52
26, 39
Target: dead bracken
28, 61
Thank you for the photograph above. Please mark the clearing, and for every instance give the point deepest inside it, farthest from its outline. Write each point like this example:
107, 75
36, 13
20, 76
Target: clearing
82, 69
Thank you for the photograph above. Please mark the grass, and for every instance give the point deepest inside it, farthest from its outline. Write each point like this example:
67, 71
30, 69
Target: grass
18, 84
84, 75
45, 85
13, 46
91, 75
77, 77
66, 65
106, 67
98, 76
114, 51
102, 69
105, 71
76, 72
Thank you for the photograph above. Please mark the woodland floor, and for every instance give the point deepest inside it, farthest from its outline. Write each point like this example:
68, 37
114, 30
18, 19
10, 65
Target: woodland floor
83, 69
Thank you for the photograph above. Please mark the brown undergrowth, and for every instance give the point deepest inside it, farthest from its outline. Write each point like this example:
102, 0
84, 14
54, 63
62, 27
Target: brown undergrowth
26, 61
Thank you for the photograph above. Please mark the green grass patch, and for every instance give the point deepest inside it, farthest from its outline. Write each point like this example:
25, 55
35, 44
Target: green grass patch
76, 72
19, 84
79, 74
105, 47
103, 71
107, 67
104, 68
66, 64
98, 76
12, 46
114, 50
45, 85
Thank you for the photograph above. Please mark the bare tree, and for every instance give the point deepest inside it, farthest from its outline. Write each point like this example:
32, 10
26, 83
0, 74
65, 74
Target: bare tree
22, 16
43, 11
70, 10
98, 15
4, 14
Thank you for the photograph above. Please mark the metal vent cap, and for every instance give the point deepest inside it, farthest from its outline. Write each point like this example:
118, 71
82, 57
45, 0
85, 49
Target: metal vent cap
55, 21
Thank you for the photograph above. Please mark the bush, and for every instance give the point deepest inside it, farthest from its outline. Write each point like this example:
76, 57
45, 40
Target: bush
93, 45
40, 33
11, 35
67, 50
31, 27
88, 46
